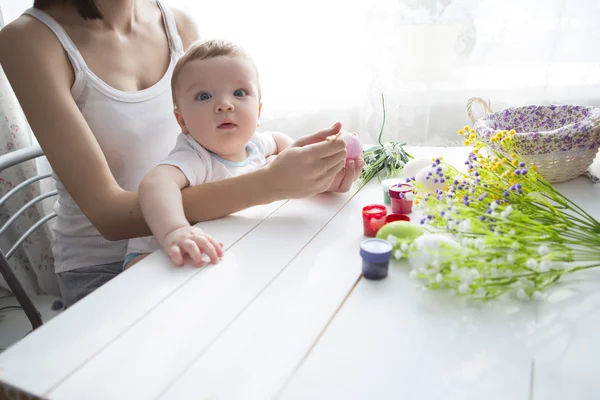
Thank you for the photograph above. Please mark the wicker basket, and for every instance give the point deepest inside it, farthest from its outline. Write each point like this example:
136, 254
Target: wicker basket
561, 140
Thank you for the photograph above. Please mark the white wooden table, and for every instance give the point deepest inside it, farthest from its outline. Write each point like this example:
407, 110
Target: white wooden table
287, 315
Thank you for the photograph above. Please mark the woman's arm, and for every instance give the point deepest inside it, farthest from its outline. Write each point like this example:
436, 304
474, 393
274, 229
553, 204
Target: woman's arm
41, 77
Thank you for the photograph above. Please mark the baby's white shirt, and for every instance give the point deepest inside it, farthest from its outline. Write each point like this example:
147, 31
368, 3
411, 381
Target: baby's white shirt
200, 166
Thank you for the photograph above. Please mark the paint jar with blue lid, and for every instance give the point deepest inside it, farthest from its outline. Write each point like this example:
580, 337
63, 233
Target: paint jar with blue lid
376, 254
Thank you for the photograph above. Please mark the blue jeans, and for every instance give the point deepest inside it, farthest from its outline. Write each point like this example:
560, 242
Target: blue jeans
78, 283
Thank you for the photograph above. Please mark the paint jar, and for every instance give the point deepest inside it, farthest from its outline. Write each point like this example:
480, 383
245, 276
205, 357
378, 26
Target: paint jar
401, 196
373, 218
376, 254
386, 185
396, 217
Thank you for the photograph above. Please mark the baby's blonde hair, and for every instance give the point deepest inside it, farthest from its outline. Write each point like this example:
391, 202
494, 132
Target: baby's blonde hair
204, 50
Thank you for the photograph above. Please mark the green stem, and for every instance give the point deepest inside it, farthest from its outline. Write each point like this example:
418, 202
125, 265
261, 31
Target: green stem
383, 122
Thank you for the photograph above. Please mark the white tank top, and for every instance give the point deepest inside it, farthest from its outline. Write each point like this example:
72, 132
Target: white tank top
135, 130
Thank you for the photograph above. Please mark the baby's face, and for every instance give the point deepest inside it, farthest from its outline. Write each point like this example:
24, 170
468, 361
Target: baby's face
219, 104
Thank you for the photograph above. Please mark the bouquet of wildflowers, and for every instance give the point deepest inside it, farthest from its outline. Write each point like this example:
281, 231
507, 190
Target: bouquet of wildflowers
510, 230
389, 156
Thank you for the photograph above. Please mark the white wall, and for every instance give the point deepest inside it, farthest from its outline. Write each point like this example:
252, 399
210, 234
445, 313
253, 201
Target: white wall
11, 9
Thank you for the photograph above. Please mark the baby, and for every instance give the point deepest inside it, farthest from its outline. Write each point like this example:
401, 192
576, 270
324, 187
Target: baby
217, 99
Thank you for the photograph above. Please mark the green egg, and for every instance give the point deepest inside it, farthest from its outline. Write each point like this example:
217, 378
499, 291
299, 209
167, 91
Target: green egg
402, 230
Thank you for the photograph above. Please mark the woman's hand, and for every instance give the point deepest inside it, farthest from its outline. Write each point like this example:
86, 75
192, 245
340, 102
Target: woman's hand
309, 166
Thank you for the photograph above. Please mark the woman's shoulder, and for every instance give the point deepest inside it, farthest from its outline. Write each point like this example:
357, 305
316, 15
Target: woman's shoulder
26, 32
186, 26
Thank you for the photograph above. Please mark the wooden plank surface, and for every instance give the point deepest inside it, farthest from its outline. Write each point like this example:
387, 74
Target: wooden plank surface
52, 353
254, 357
160, 346
567, 349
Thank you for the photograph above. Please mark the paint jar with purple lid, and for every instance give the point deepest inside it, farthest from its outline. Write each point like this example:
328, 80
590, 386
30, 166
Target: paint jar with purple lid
376, 254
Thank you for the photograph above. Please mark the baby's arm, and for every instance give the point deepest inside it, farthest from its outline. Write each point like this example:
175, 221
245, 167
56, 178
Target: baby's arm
282, 142
162, 207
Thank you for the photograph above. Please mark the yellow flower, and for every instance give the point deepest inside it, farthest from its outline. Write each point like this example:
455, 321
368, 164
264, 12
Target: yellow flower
461, 132
466, 143
466, 128
514, 163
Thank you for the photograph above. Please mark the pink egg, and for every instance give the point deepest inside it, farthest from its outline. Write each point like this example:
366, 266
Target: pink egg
354, 146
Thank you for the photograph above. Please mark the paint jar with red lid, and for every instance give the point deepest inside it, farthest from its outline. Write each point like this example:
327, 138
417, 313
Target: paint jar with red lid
401, 196
373, 218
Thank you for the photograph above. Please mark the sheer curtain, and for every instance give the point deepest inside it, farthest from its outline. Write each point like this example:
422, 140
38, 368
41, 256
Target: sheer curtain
322, 60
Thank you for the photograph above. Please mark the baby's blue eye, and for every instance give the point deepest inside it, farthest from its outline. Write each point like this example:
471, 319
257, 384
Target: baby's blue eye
203, 96
239, 93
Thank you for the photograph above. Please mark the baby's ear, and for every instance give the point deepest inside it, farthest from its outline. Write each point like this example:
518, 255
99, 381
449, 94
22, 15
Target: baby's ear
180, 121
259, 110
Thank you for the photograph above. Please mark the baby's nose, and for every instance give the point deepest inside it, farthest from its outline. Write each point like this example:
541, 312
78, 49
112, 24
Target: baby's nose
224, 106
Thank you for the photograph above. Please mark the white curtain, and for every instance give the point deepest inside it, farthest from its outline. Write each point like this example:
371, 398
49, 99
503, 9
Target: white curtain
322, 60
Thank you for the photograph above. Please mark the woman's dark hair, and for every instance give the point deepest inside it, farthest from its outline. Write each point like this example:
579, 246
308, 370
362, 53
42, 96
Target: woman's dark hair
86, 8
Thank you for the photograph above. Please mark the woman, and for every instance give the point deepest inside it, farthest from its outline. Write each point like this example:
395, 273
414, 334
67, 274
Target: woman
93, 78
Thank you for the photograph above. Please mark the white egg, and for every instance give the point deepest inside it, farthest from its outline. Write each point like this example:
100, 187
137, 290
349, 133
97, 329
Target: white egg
434, 181
412, 167
427, 248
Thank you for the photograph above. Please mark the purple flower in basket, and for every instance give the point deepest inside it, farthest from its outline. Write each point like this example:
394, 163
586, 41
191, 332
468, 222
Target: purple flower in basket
543, 129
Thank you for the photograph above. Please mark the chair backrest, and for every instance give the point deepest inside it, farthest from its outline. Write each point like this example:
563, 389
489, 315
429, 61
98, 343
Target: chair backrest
6, 161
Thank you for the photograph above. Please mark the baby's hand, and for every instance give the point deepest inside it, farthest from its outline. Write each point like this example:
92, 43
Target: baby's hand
192, 241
